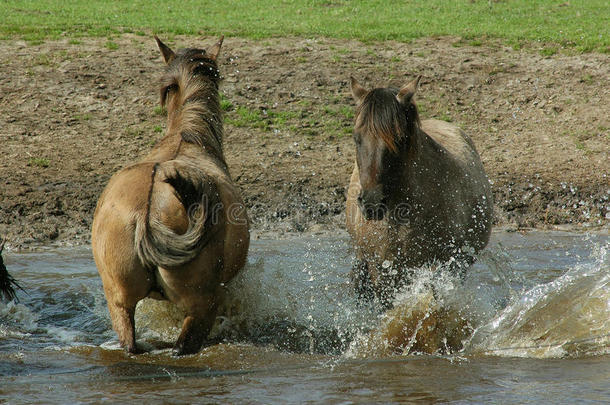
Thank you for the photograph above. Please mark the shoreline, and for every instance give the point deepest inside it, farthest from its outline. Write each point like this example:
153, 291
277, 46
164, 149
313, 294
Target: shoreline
77, 113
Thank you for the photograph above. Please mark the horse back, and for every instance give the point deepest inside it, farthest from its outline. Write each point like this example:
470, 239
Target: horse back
464, 198
453, 140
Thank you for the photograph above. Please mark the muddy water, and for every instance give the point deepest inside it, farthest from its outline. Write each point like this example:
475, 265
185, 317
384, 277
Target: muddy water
530, 324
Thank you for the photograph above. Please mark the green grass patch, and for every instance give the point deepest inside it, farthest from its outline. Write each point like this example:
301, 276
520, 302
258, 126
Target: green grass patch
82, 117
445, 117
548, 51
112, 45
42, 59
328, 121
245, 117
264, 119
158, 110
225, 103
587, 79
39, 162
577, 23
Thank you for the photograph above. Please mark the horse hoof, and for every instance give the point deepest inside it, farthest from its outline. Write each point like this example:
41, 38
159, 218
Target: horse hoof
134, 350
184, 348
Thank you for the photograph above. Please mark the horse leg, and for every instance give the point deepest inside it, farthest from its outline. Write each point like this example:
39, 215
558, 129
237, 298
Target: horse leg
125, 280
124, 325
196, 327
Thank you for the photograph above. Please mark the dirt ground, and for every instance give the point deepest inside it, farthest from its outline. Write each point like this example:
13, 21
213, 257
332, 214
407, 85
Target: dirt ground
74, 112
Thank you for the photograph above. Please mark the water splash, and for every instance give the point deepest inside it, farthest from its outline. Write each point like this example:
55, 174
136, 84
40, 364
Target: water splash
568, 316
427, 317
534, 295
16, 320
302, 302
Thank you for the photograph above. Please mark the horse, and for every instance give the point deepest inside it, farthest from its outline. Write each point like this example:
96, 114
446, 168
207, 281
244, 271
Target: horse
418, 193
7, 282
173, 226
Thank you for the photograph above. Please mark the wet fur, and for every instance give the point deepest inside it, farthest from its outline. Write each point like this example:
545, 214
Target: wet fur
173, 226
7, 282
438, 196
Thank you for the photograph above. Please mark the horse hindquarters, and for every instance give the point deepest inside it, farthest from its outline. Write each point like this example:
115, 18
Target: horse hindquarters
132, 197
124, 278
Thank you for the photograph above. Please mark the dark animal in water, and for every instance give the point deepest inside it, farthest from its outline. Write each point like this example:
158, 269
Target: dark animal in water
7, 282
418, 193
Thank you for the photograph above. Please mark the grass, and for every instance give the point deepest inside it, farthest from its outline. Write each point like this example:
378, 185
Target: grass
246, 117
82, 117
327, 121
158, 110
225, 103
39, 162
588, 79
112, 45
134, 132
548, 51
577, 23
254, 118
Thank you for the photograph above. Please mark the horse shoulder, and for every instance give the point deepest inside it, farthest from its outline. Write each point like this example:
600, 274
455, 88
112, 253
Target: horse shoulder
467, 194
451, 138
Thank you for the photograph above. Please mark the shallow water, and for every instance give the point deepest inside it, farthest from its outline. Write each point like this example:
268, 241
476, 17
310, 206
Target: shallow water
530, 324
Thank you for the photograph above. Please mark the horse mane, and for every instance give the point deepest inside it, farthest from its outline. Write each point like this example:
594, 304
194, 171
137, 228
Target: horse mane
382, 115
198, 119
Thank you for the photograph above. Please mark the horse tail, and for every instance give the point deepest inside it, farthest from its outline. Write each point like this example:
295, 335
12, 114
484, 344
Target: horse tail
7, 282
159, 246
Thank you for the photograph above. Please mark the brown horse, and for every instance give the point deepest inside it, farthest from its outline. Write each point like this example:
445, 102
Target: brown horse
418, 193
7, 282
173, 225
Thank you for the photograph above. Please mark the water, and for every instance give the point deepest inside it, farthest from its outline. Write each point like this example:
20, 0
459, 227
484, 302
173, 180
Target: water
530, 324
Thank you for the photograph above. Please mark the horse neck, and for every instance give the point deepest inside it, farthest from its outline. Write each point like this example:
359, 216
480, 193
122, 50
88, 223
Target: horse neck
425, 163
414, 158
198, 121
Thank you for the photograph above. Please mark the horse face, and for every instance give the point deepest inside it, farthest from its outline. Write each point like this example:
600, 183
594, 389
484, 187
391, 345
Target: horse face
376, 165
384, 121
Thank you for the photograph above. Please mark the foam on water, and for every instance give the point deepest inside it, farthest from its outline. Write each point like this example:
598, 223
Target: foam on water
567, 316
295, 296
427, 317
16, 320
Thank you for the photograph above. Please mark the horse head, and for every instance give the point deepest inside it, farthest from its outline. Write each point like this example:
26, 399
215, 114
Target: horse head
386, 120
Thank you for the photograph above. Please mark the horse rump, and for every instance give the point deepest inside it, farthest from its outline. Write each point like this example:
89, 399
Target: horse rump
159, 246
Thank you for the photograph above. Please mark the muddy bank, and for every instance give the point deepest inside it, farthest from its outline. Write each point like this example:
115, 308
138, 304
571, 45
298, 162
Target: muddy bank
74, 113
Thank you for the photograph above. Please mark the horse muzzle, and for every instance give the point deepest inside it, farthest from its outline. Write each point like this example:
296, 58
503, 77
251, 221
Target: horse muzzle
373, 204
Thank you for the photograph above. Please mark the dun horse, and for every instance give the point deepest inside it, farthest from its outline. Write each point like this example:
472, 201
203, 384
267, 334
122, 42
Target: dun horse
173, 225
418, 193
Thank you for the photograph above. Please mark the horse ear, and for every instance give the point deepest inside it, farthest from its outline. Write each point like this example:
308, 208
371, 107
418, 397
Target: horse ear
358, 91
214, 50
406, 93
168, 54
